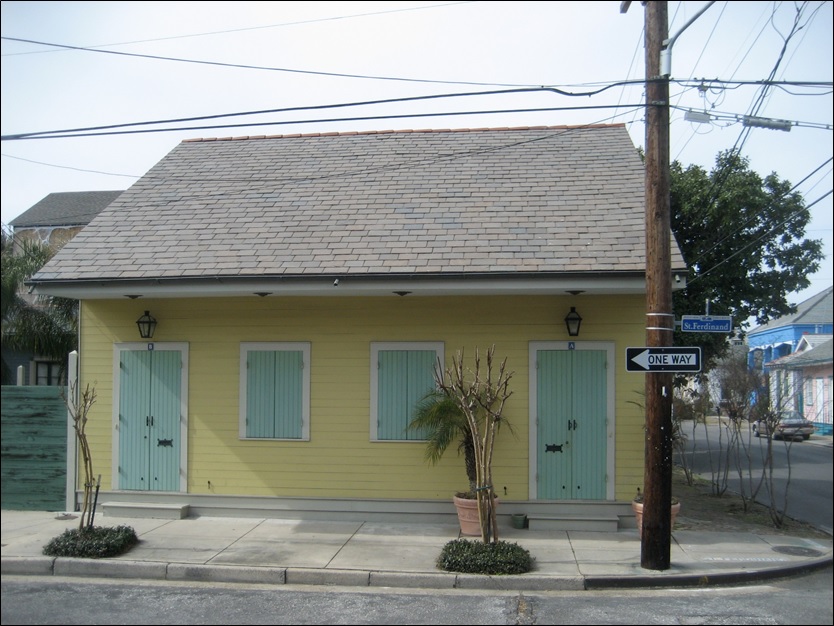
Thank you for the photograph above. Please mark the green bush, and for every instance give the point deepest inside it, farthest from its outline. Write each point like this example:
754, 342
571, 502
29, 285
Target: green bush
476, 557
96, 542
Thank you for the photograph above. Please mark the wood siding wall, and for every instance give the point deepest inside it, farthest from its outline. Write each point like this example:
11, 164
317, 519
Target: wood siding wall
339, 460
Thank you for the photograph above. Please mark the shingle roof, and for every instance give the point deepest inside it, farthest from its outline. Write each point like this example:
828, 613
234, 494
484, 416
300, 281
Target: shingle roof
817, 309
532, 200
818, 355
67, 208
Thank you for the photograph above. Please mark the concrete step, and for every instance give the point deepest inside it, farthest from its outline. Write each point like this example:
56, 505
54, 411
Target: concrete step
604, 523
152, 510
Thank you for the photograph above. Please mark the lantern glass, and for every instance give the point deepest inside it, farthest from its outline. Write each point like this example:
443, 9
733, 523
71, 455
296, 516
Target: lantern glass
573, 321
147, 325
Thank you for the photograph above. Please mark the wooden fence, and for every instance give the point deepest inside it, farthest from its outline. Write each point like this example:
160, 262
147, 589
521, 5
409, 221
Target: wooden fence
34, 448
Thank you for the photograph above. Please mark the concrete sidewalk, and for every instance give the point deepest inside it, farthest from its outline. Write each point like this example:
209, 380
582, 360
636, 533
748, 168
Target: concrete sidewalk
372, 554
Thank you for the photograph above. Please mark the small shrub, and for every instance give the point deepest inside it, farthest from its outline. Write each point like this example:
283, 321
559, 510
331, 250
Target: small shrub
96, 542
476, 557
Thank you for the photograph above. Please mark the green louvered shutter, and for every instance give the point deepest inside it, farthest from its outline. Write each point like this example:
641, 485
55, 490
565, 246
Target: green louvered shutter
288, 394
260, 372
274, 393
404, 377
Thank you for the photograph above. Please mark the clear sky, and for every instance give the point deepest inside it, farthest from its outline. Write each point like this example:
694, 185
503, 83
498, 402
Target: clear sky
94, 64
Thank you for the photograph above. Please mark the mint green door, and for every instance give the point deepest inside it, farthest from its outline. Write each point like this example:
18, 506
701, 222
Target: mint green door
571, 401
149, 419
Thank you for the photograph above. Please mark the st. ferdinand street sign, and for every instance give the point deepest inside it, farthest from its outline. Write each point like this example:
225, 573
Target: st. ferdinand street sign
706, 324
663, 359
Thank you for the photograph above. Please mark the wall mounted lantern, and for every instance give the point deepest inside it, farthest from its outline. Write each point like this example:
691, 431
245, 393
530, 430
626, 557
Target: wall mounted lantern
573, 321
146, 324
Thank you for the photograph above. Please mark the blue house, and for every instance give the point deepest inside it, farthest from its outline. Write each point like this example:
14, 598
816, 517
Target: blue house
780, 337
794, 351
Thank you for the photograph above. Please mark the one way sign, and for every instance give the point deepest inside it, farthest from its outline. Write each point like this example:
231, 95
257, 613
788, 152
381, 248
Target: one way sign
663, 359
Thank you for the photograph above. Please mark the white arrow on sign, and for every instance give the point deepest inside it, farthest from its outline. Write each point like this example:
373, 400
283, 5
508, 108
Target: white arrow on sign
642, 359
663, 359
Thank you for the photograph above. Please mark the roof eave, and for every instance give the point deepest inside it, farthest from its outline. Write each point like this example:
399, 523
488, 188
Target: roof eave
590, 283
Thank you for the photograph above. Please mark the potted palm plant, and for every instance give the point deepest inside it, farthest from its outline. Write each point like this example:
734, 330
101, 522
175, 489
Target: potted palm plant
439, 417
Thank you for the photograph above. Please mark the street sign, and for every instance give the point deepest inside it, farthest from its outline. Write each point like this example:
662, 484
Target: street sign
706, 324
663, 359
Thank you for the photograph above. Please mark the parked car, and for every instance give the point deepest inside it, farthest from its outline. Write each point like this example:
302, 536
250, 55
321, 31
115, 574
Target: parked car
790, 426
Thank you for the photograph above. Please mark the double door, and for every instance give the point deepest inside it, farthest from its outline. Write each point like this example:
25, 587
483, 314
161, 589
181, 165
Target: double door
150, 419
571, 424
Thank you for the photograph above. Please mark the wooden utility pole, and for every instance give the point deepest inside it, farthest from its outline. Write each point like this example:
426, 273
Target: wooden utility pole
660, 322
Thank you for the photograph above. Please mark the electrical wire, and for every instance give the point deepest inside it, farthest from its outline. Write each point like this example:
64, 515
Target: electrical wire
251, 28
317, 121
543, 89
68, 133
716, 187
271, 184
261, 67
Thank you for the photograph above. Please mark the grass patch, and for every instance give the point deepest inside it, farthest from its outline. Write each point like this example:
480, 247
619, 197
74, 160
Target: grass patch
97, 542
477, 557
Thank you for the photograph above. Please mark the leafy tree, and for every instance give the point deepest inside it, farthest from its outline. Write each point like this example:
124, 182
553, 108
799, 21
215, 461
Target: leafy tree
45, 326
743, 238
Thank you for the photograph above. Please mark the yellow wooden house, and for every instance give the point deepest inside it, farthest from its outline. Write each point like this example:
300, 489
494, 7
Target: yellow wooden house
259, 316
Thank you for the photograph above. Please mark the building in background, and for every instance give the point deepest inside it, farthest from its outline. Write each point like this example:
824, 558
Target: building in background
795, 352
53, 221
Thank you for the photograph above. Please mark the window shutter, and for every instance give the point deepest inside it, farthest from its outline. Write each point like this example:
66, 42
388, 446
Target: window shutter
288, 388
404, 377
260, 394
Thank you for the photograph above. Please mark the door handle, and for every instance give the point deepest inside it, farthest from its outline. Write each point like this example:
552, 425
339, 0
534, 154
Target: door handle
572, 425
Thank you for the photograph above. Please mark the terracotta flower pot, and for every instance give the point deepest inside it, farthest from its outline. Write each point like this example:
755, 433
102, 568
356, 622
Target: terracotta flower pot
467, 509
637, 507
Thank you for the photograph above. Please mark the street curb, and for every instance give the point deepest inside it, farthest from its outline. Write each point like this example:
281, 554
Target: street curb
27, 565
226, 574
179, 572
98, 568
721, 579
413, 580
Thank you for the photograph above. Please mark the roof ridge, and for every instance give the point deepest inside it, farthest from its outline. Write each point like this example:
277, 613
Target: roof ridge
810, 305
403, 131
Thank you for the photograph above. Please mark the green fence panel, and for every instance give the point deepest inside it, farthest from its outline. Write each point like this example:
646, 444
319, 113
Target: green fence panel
34, 449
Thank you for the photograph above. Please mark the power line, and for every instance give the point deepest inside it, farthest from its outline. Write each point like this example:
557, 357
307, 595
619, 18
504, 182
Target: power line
251, 28
542, 89
722, 177
258, 67
314, 108
273, 69
273, 183
319, 121
66, 167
